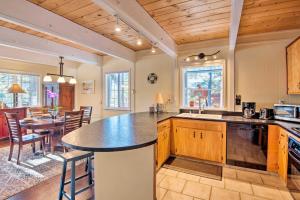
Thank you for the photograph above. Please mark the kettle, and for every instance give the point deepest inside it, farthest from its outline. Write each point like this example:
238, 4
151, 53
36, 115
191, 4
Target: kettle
249, 113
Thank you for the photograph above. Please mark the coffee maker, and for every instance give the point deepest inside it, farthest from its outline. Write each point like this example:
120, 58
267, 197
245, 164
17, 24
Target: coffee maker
248, 109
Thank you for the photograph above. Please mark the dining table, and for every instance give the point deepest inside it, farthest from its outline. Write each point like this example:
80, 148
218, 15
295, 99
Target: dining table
53, 125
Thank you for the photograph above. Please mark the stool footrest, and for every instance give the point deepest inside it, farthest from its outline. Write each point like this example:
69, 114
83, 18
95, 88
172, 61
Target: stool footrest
77, 178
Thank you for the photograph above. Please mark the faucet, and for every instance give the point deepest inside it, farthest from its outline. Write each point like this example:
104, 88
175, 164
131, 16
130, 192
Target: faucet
202, 107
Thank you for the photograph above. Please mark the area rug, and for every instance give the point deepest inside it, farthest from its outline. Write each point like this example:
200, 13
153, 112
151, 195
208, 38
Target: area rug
194, 167
33, 169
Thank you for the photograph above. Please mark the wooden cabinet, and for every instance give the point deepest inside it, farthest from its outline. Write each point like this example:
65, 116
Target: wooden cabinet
3, 125
283, 154
200, 139
293, 67
163, 142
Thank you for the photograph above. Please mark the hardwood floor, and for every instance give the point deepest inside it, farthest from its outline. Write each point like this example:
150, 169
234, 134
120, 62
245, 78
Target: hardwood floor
48, 190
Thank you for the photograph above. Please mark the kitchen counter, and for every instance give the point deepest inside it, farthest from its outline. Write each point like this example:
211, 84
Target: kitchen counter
118, 133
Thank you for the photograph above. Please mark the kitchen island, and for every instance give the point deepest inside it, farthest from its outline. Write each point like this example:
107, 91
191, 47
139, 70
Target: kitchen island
124, 154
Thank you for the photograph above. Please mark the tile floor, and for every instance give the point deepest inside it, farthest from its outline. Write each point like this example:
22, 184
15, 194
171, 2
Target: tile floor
236, 184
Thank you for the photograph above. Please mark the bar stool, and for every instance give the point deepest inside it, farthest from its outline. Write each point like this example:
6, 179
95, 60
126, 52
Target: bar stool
73, 121
72, 157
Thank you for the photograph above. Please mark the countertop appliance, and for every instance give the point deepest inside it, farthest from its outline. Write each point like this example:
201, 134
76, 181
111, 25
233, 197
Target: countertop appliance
247, 145
248, 109
287, 112
293, 181
266, 113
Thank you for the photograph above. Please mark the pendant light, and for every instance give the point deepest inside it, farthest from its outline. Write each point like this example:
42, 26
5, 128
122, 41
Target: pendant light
61, 76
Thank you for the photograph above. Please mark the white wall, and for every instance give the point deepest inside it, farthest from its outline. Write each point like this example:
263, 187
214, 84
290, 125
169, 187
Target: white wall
163, 66
89, 72
261, 73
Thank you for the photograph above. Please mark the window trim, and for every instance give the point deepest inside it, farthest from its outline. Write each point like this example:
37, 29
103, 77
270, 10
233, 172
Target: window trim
205, 64
129, 89
12, 71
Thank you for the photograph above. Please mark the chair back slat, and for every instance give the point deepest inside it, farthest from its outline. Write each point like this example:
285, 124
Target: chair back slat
87, 113
73, 121
14, 128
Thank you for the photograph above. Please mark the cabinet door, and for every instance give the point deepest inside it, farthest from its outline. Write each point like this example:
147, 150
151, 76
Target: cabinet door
185, 142
210, 145
166, 143
283, 155
293, 67
160, 141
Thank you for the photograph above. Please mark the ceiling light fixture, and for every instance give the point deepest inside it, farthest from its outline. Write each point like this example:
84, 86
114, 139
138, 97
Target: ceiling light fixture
61, 76
117, 26
201, 56
153, 50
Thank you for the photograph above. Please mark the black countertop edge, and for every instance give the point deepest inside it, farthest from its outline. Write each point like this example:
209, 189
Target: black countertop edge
110, 149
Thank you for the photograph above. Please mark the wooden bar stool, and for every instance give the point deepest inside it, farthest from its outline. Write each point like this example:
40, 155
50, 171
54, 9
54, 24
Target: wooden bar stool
73, 121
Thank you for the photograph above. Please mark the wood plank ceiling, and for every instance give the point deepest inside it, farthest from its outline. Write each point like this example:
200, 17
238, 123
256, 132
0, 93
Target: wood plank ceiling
185, 21
87, 14
191, 20
261, 16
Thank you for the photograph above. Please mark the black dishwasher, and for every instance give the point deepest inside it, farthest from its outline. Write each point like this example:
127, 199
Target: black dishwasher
247, 145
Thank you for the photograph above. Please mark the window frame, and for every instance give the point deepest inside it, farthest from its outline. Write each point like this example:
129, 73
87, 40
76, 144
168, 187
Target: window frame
106, 91
185, 65
39, 87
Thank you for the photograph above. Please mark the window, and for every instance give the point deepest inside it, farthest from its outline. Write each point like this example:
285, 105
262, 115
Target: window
117, 90
203, 85
30, 83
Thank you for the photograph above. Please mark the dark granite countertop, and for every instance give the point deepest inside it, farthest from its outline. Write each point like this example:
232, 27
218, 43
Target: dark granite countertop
137, 130
118, 133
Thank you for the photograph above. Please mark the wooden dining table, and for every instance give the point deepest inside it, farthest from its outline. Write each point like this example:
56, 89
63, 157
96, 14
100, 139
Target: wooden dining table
52, 125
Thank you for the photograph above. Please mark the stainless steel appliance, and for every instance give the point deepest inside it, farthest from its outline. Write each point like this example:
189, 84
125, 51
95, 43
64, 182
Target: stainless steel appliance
293, 181
247, 145
266, 113
248, 109
287, 112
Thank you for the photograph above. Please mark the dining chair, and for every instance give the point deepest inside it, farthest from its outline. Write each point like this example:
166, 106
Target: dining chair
72, 121
87, 113
16, 136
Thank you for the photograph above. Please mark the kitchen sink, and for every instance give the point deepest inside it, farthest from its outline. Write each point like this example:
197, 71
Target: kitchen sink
199, 116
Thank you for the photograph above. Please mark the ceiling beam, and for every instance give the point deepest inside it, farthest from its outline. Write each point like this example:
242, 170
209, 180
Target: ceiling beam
236, 13
133, 14
29, 15
19, 40
27, 56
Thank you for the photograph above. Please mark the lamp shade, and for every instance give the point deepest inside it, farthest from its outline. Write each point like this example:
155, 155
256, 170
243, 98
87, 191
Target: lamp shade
73, 81
61, 79
16, 88
47, 78
159, 98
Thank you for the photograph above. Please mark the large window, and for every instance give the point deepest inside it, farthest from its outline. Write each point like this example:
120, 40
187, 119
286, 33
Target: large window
203, 86
117, 90
30, 83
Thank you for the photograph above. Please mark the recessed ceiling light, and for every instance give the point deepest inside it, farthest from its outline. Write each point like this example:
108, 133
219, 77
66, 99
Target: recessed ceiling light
139, 41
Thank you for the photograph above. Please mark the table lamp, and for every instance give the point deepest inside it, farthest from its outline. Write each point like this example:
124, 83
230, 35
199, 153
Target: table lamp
15, 89
159, 102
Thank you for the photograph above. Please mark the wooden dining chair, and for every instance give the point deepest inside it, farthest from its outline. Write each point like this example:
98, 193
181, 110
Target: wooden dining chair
87, 113
16, 136
73, 121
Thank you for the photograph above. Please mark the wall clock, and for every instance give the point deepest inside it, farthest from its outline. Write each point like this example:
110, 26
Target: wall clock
152, 78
